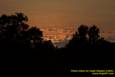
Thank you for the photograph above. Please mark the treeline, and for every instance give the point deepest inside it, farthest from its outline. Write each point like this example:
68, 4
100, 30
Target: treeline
15, 33
18, 39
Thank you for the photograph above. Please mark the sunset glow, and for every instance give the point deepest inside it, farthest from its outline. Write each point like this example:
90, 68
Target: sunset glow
58, 18
58, 34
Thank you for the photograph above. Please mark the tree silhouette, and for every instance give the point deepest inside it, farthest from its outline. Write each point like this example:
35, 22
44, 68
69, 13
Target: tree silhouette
13, 24
79, 38
34, 36
82, 32
14, 30
93, 34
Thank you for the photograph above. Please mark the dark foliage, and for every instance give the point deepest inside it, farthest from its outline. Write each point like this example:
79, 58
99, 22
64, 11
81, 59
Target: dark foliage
15, 33
24, 45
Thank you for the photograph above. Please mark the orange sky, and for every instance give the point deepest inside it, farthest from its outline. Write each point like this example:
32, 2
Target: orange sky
62, 16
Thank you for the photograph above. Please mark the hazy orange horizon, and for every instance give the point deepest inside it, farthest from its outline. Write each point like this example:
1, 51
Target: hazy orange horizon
62, 16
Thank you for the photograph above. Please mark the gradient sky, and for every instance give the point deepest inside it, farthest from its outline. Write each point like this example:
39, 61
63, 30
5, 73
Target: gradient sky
60, 15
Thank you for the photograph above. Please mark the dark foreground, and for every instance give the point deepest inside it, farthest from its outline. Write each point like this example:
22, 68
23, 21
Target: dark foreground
56, 63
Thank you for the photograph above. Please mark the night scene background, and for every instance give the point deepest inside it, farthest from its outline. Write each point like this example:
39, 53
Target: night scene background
64, 34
